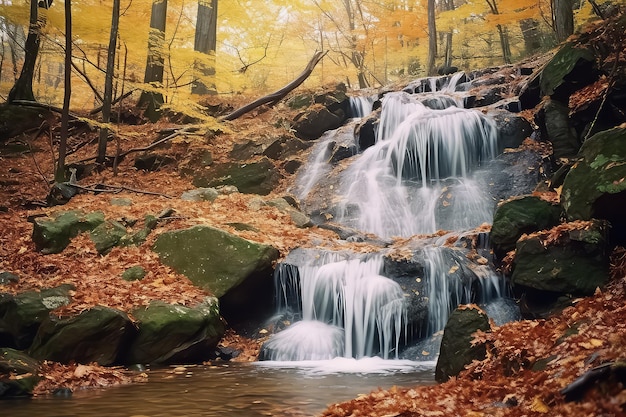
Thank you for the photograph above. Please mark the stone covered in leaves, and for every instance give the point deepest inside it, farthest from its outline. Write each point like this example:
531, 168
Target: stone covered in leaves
107, 235
571, 258
259, 177
595, 186
236, 270
53, 234
456, 345
170, 333
518, 216
18, 373
21, 314
95, 335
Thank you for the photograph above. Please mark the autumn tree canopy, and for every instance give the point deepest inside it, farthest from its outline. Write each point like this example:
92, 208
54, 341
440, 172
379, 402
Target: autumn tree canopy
259, 46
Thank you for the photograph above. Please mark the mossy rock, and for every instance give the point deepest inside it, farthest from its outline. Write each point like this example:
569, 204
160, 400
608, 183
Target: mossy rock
595, 187
569, 69
53, 234
237, 271
577, 263
259, 177
517, 216
95, 335
18, 373
456, 345
107, 235
134, 273
561, 134
22, 314
169, 333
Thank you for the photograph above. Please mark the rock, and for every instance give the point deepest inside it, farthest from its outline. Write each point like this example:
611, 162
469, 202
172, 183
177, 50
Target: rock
19, 373
196, 160
365, 131
512, 128
570, 69
153, 161
107, 235
21, 314
576, 262
236, 270
169, 333
300, 219
200, 194
121, 202
259, 177
134, 273
285, 147
310, 124
52, 235
595, 187
8, 278
95, 335
60, 194
560, 133
521, 215
456, 345
140, 236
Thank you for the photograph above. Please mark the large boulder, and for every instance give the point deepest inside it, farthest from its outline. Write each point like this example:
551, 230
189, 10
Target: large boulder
512, 128
53, 234
570, 258
559, 129
21, 314
570, 69
518, 216
595, 187
107, 235
169, 333
236, 270
457, 349
312, 123
95, 335
18, 373
260, 177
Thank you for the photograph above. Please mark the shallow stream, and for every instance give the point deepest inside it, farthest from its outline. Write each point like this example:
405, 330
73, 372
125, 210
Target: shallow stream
233, 389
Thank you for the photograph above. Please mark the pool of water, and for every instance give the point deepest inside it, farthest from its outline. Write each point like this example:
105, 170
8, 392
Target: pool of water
233, 389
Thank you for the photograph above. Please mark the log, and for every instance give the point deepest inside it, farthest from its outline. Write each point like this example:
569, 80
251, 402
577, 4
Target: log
278, 95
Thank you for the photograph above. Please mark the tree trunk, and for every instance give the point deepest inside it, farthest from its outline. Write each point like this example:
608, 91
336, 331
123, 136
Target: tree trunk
206, 42
447, 61
531, 35
504, 43
155, 62
108, 82
562, 19
23, 87
59, 175
432, 38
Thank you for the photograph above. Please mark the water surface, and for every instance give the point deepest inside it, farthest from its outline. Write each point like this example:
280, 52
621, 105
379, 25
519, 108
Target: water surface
232, 389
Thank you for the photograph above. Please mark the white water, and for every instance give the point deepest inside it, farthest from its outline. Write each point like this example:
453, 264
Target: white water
416, 179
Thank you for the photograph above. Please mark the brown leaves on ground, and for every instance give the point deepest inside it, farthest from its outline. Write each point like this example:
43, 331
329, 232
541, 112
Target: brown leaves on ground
529, 362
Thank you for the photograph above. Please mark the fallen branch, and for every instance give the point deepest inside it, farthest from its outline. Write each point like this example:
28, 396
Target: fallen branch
278, 95
115, 189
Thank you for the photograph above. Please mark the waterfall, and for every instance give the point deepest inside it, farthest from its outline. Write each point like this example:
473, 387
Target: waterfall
360, 106
417, 178
345, 299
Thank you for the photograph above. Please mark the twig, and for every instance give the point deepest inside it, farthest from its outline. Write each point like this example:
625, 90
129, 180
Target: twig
116, 189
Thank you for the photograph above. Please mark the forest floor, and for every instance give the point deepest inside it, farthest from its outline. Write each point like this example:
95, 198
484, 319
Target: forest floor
529, 361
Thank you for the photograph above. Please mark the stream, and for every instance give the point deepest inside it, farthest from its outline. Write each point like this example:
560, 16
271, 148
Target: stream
233, 389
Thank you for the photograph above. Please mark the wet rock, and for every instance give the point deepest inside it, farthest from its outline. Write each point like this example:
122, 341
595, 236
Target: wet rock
317, 120
365, 131
236, 270
18, 373
170, 333
575, 263
53, 234
518, 216
259, 177
95, 335
456, 345
512, 128
22, 314
595, 187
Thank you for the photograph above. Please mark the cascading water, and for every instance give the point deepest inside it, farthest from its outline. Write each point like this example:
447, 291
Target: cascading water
415, 179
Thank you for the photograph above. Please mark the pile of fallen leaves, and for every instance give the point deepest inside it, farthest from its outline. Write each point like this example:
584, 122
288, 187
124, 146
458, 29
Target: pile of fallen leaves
528, 363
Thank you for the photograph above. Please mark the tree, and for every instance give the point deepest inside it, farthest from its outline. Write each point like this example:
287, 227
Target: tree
562, 19
432, 38
502, 33
59, 175
448, 5
108, 83
205, 42
23, 87
153, 98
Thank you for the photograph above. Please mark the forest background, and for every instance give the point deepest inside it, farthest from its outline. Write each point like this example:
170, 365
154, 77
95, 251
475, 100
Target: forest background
231, 47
